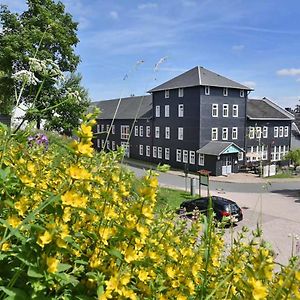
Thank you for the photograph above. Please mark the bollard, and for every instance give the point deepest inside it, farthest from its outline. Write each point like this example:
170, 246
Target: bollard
193, 186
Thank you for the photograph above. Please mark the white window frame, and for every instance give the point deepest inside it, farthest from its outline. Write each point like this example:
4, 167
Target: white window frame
159, 152
258, 132
107, 127
214, 110
251, 132
192, 157
167, 94
113, 129
225, 110
148, 131
234, 133
180, 133
275, 131
167, 111
141, 131
180, 92
201, 159
242, 93
167, 153
98, 143
235, 110
281, 131
180, 110
136, 130
98, 128
240, 155
157, 130
157, 111
265, 132
113, 145
214, 134
125, 132
102, 127
207, 90
286, 131
178, 155
108, 144
167, 133
225, 91
185, 156
154, 151
225, 134
141, 150
148, 151
102, 144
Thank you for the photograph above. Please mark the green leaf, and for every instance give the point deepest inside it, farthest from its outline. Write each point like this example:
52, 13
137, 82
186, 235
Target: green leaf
14, 293
115, 252
63, 267
34, 272
100, 291
81, 262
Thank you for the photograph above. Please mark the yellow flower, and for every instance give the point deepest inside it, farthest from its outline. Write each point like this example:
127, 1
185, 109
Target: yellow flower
71, 198
153, 182
44, 239
125, 279
13, 221
86, 130
85, 149
79, 173
143, 275
5, 246
259, 291
170, 271
297, 275
52, 263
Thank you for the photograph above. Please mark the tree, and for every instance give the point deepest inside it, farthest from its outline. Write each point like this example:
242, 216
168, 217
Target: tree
294, 156
46, 32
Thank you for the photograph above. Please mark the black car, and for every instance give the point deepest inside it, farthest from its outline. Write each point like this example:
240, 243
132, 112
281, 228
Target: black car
224, 209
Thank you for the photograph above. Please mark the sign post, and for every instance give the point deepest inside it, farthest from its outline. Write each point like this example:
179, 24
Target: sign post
203, 180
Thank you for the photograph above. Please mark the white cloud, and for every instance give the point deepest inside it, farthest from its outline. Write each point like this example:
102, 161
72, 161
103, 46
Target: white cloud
250, 84
238, 48
288, 72
148, 5
1, 28
114, 15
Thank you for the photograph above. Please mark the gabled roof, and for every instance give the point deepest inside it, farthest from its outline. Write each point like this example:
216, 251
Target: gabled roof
128, 108
217, 148
196, 77
265, 109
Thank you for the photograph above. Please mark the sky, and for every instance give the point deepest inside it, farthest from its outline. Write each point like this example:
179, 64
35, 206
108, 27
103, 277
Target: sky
256, 43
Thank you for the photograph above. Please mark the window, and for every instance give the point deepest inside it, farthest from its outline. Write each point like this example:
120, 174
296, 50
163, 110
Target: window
214, 110
156, 132
108, 145
148, 151
185, 156
180, 110
113, 129
102, 127
167, 153
167, 133
225, 92
113, 145
225, 110
180, 92
98, 143
242, 93
180, 133
281, 131
102, 144
251, 132
159, 152
258, 132
136, 130
154, 151
107, 127
141, 130
235, 110
286, 131
214, 134
201, 159
234, 133
192, 157
167, 111
241, 155
207, 90
157, 111
148, 130
141, 150
178, 155
265, 132
264, 152
167, 93
225, 133
275, 131
124, 132
98, 128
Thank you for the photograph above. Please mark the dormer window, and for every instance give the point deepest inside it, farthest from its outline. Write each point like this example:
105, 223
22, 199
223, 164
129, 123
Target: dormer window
180, 92
167, 94
207, 90
225, 92
242, 93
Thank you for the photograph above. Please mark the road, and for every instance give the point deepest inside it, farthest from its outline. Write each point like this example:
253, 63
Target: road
275, 206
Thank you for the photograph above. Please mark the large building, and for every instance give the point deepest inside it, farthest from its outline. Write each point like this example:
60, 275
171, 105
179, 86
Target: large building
197, 120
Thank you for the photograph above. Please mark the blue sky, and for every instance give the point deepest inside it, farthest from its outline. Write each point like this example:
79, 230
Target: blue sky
256, 43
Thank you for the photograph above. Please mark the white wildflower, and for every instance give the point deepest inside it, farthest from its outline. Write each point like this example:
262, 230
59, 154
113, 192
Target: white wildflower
74, 95
27, 77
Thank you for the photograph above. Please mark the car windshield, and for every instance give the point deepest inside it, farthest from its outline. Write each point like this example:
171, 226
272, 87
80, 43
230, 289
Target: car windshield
232, 208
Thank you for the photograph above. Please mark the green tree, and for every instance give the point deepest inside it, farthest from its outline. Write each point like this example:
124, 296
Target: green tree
294, 157
46, 32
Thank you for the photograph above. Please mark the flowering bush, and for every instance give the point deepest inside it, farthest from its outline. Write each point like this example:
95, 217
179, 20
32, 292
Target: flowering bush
75, 225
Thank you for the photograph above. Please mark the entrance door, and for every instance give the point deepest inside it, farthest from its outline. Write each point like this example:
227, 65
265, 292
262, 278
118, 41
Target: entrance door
227, 165
125, 145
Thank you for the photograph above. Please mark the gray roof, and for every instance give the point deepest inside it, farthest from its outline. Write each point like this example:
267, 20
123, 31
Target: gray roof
265, 109
128, 109
199, 76
216, 148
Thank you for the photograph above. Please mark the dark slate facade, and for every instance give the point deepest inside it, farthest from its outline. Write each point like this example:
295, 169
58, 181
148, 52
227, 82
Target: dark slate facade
197, 120
5, 119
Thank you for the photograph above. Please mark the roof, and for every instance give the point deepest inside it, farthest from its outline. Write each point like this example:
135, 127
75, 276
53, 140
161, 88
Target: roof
129, 108
265, 109
217, 148
199, 76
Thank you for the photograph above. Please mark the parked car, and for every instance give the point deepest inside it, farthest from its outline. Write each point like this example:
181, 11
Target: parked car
222, 207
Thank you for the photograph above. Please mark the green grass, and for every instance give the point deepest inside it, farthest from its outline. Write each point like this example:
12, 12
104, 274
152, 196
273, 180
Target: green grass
172, 198
283, 175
